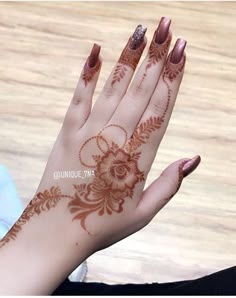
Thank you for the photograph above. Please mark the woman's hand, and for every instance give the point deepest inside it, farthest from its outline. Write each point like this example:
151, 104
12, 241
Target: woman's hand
92, 188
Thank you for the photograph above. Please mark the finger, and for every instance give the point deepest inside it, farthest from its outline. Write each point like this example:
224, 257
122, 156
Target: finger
159, 193
119, 80
155, 119
80, 106
137, 98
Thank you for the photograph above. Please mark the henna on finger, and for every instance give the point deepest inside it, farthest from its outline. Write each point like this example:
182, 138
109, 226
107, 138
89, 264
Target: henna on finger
160, 43
92, 64
185, 168
159, 46
131, 54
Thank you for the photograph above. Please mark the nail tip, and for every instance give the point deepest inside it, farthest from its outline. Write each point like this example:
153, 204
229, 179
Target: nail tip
94, 55
162, 30
178, 51
138, 37
191, 165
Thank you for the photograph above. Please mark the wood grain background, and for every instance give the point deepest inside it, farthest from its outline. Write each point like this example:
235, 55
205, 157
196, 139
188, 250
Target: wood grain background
43, 48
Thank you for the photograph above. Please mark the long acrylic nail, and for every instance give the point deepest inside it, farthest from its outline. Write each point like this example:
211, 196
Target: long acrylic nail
162, 30
93, 57
138, 37
191, 165
178, 51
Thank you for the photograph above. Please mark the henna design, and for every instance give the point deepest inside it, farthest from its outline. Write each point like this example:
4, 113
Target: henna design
180, 179
92, 64
172, 70
131, 54
157, 51
119, 73
142, 133
43, 201
117, 173
116, 166
88, 73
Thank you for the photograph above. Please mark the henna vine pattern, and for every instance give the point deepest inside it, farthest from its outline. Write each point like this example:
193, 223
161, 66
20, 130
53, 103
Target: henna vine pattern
171, 71
43, 201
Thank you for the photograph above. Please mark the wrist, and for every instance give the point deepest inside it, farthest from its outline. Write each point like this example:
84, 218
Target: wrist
41, 251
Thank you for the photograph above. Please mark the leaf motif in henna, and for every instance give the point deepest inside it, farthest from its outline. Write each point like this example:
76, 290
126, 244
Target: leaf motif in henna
96, 158
119, 73
142, 133
172, 70
42, 201
157, 52
114, 146
98, 198
88, 73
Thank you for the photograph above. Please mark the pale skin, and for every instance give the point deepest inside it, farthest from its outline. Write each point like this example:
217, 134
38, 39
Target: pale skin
70, 219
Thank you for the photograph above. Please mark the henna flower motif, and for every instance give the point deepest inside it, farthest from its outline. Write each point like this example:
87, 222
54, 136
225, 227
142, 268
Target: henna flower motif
119, 170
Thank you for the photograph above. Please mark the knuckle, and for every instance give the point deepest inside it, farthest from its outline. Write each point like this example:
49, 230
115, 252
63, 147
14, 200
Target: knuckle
78, 99
138, 92
108, 91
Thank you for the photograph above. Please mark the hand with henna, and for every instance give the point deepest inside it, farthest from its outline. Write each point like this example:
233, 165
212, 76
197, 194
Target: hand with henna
92, 192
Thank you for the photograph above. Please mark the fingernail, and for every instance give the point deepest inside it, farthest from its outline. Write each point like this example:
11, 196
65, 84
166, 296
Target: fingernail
162, 30
191, 165
178, 51
138, 37
93, 57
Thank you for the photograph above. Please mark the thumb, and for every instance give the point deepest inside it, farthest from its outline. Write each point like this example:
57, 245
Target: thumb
158, 194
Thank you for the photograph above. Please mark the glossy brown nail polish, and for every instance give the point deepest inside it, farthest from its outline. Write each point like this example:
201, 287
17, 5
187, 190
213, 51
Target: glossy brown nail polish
138, 37
93, 57
191, 165
162, 30
178, 51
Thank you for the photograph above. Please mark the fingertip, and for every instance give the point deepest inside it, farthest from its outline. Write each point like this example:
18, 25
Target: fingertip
191, 165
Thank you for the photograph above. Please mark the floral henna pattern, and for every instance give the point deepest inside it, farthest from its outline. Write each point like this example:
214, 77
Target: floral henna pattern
116, 168
117, 173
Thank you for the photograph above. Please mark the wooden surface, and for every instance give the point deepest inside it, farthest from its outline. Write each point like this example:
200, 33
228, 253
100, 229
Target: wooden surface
43, 49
